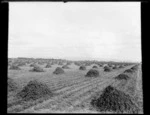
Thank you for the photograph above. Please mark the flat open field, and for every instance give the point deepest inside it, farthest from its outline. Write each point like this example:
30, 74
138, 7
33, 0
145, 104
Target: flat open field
72, 91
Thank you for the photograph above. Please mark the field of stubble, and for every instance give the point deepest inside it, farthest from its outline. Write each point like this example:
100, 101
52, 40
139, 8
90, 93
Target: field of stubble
72, 91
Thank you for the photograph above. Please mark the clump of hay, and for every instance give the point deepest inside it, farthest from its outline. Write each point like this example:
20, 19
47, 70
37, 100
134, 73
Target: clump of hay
113, 100
95, 66
122, 77
107, 69
32, 65
134, 68
100, 65
65, 67
128, 71
11, 85
58, 70
14, 67
121, 66
114, 67
37, 69
33, 91
110, 66
60, 63
82, 68
92, 73
48, 66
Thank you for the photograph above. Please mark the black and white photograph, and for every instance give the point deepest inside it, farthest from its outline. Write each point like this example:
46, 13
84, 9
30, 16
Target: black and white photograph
74, 57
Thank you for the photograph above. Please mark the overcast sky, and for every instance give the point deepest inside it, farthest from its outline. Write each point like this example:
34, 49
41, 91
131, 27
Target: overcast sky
76, 31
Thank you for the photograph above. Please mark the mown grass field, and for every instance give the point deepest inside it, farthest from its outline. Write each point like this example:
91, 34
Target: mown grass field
72, 91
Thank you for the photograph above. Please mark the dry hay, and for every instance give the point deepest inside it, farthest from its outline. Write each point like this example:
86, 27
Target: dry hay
37, 69
122, 77
65, 67
94, 66
128, 71
60, 63
110, 66
100, 65
107, 69
58, 70
113, 100
33, 65
134, 68
14, 67
114, 67
21, 64
82, 68
121, 66
92, 73
48, 66
11, 85
33, 91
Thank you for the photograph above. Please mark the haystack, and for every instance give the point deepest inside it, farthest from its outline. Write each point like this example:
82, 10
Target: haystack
121, 66
94, 66
33, 91
65, 67
122, 76
134, 68
60, 63
128, 71
114, 67
14, 67
37, 69
33, 65
100, 65
107, 69
92, 73
82, 68
58, 70
113, 100
11, 85
48, 66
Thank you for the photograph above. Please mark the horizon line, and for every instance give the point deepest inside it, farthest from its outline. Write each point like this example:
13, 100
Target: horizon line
113, 60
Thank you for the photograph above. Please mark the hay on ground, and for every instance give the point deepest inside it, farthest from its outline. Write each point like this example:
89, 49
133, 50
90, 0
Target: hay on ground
58, 70
11, 85
134, 68
33, 91
37, 69
82, 68
121, 66
94, 66
14, 67
113, 100
107, 69
122, 76
92, 73
65, 67
48, 66
100, 65
60, 63
128, 71
114, 67
33, 65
